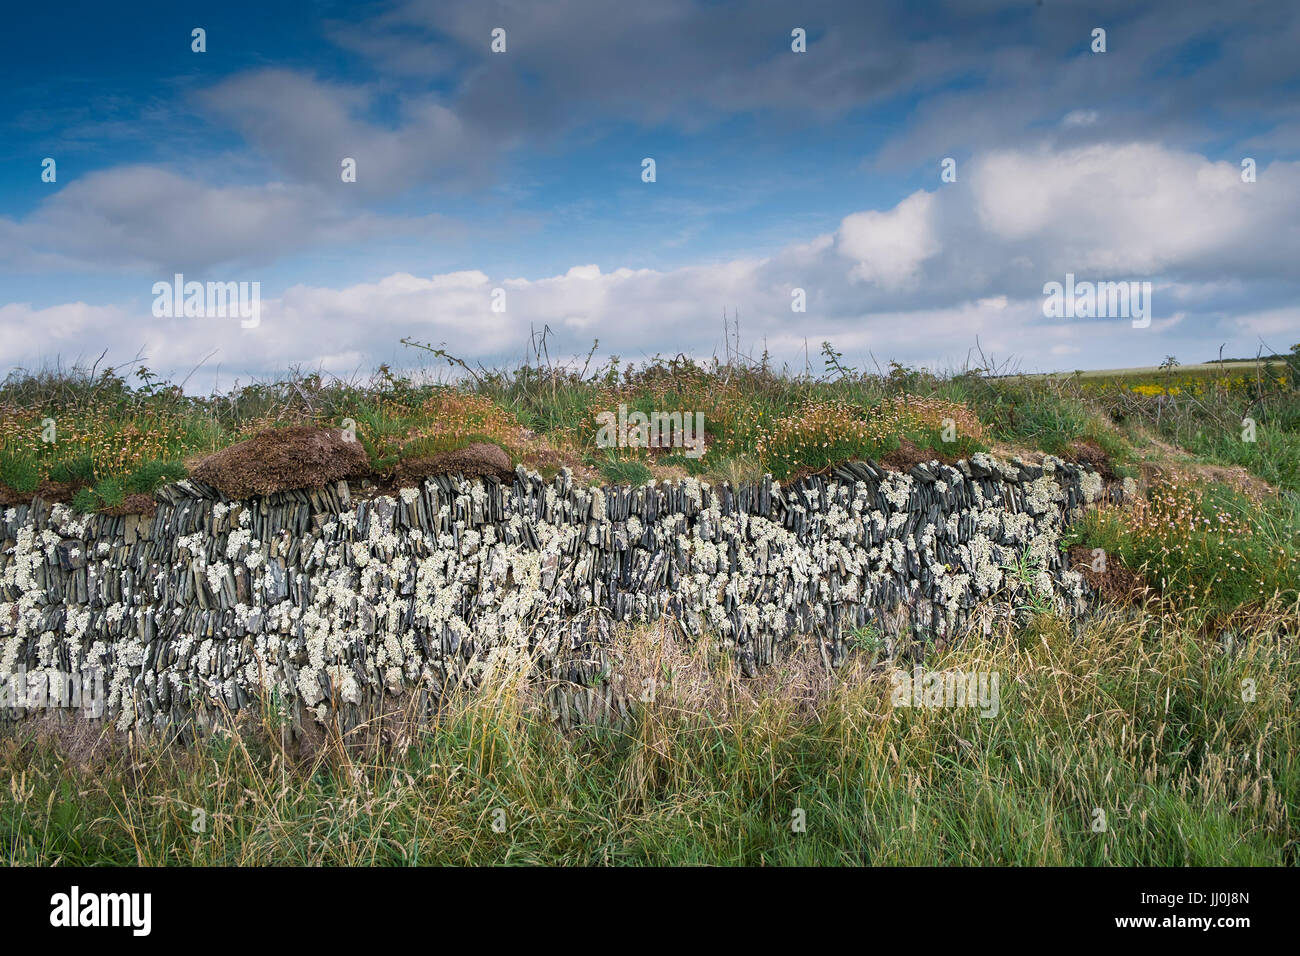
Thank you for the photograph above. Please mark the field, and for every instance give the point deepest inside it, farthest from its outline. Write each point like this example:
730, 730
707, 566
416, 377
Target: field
1161, 730
1228, 369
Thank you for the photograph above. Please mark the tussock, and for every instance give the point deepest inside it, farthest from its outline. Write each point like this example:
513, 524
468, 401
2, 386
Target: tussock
283, 459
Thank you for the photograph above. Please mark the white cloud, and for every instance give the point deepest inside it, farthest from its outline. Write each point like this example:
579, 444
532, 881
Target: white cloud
1137, 208
307, 127
1076, 118
916, 283
138, 218
68, 331
889, 247
1283, 322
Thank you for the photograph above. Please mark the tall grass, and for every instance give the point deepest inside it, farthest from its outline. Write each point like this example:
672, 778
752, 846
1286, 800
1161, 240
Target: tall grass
1131, 742
1165, 734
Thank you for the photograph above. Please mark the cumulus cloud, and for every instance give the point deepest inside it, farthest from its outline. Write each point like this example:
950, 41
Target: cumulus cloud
134, 218
1139, 208
917, 282
888, 248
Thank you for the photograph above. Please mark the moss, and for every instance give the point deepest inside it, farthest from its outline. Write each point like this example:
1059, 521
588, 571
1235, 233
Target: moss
438, 444
280, 459
474, 460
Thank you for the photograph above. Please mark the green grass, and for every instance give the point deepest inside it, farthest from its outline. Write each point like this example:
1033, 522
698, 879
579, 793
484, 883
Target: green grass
1149, 373
758, 420
1202, 410
79, 469
150, 475
86, 501
1274, 455
1210, 550
623, 471
18, 472
1027, 413
1139, 720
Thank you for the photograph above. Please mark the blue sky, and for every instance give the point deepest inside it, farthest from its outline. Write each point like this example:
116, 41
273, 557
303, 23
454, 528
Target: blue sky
522, 171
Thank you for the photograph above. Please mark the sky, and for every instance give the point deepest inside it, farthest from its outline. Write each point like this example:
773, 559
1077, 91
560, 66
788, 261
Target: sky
499, 192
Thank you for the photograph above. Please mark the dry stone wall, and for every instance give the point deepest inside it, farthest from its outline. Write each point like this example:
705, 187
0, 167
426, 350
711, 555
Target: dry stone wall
324, 603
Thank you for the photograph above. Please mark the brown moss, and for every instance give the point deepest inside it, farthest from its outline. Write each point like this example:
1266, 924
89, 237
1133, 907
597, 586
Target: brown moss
283, 459
1117, 583
47, 490
478, 460
1090, 455
137, 504
908, 455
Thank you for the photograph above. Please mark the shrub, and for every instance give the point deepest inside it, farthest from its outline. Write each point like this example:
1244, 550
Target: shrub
819, 435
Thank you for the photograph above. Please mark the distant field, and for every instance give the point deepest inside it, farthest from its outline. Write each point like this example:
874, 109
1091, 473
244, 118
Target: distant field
1201, 369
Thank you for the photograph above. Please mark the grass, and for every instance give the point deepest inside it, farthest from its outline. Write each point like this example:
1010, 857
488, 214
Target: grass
82, 428
1273, 455
621, 471
1245, 414
18, 472
1245, 368
1210, 549
1145, 723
